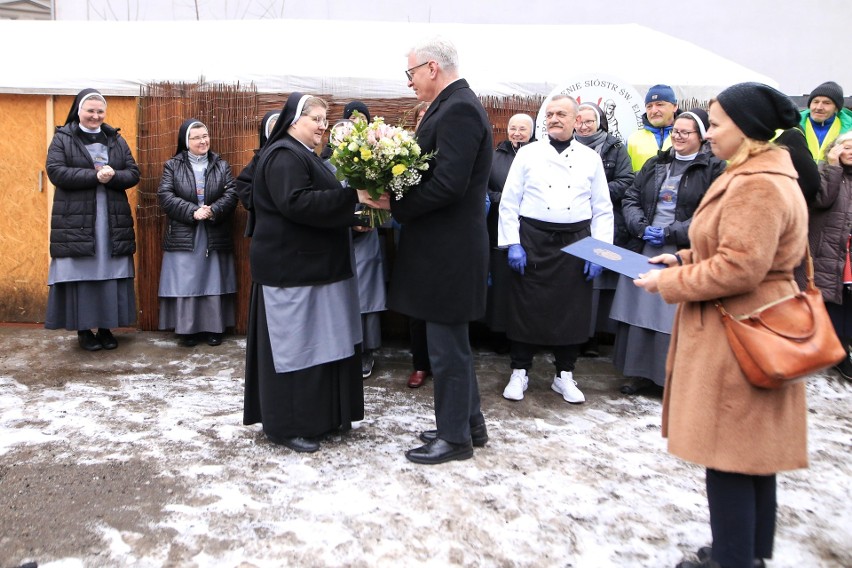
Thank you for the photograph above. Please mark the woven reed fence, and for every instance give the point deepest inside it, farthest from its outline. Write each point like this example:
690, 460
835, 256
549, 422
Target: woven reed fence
232, 114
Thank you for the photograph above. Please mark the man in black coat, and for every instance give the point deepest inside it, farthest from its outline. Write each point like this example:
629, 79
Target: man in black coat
441, 268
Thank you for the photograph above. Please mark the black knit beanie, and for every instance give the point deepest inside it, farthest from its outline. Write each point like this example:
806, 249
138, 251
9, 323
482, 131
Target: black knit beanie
758, 110
353, 106
831, 90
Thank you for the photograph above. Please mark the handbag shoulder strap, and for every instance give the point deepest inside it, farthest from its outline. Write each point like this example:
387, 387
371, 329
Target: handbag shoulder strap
809, 275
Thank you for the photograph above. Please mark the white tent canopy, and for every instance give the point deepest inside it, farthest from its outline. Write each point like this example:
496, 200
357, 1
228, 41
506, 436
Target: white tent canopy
346, 59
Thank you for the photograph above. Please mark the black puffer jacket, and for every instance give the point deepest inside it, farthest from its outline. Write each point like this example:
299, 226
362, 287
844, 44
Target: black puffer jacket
178, 200
619, 177
640, 202
72, 221
504, 155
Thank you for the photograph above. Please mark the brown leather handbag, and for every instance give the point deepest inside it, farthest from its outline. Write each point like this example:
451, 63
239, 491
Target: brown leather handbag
786, 340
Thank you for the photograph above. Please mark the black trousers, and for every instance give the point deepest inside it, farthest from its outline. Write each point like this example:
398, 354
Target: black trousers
742, 517
522, 355
419, 345
456, 388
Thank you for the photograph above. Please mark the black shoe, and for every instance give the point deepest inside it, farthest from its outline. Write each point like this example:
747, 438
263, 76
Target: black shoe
297, 444
367, 364
88, 341
845, 368
705, 554
214, 339
478, 435
636, 385
106, 338
440, 451
500, 344
188, 340
590, 348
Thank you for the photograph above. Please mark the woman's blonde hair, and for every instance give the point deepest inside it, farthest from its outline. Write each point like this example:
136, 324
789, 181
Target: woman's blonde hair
748, 150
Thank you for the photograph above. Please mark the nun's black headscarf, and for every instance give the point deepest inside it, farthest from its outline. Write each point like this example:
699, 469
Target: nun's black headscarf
287, 118
183, 133
261, 129
603, 123
74, 112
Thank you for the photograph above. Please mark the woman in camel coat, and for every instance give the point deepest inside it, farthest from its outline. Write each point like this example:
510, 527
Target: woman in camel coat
747, 236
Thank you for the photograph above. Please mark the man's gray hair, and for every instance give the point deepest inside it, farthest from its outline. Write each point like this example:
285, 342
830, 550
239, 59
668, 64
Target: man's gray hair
574, 102
439, 49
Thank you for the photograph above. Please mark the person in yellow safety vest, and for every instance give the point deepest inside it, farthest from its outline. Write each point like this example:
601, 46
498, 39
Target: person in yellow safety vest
825, 118
660, 112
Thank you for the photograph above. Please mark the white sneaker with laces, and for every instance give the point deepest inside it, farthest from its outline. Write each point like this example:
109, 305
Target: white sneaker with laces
518, 383
564, 384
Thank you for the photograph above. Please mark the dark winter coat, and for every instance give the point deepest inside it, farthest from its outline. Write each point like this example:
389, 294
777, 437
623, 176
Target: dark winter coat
746, 237
303, 218
178, 200
504, 155
794, 142
70, 168
640, 202
619, 177
441, 268
829, 229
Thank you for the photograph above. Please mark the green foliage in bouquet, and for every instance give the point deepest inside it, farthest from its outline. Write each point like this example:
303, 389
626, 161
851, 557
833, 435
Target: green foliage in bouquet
377, 157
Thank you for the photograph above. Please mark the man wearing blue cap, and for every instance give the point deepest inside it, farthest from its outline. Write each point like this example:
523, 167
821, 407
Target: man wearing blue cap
660, 112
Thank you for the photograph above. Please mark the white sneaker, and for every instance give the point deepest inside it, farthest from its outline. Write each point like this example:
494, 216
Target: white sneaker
517, 385
564, 384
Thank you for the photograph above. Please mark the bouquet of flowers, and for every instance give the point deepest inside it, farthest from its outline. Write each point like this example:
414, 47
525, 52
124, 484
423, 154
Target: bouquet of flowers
378, 158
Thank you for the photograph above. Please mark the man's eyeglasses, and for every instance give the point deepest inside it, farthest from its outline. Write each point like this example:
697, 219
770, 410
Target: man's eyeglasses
682, 133
408, 72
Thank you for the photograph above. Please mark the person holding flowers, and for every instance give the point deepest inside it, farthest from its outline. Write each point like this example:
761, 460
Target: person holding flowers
303, 373
441, 267
369, 268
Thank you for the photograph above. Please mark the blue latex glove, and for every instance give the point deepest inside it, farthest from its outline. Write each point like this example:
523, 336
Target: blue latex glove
592, 270
655, 236
517, 258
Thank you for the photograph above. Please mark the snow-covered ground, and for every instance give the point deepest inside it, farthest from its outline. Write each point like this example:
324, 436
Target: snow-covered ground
138, 457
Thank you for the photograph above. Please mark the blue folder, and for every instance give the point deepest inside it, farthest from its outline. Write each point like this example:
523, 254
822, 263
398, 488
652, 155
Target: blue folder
612, 257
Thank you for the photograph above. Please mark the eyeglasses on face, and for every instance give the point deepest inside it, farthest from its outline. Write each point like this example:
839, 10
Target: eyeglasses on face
586, 123
203, 137
682, 133
320, 120
408, 72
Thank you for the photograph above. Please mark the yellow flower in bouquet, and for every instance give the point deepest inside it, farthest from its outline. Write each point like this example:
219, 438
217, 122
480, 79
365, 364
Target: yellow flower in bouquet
377, 157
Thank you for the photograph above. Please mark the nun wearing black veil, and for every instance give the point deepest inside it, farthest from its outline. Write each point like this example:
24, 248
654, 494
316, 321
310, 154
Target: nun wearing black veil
264, 129
92, 240
303, 372
198, 281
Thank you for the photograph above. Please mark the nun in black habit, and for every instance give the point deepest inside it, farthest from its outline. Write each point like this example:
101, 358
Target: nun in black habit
198, 281
303, 373
264, 129
92, 240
